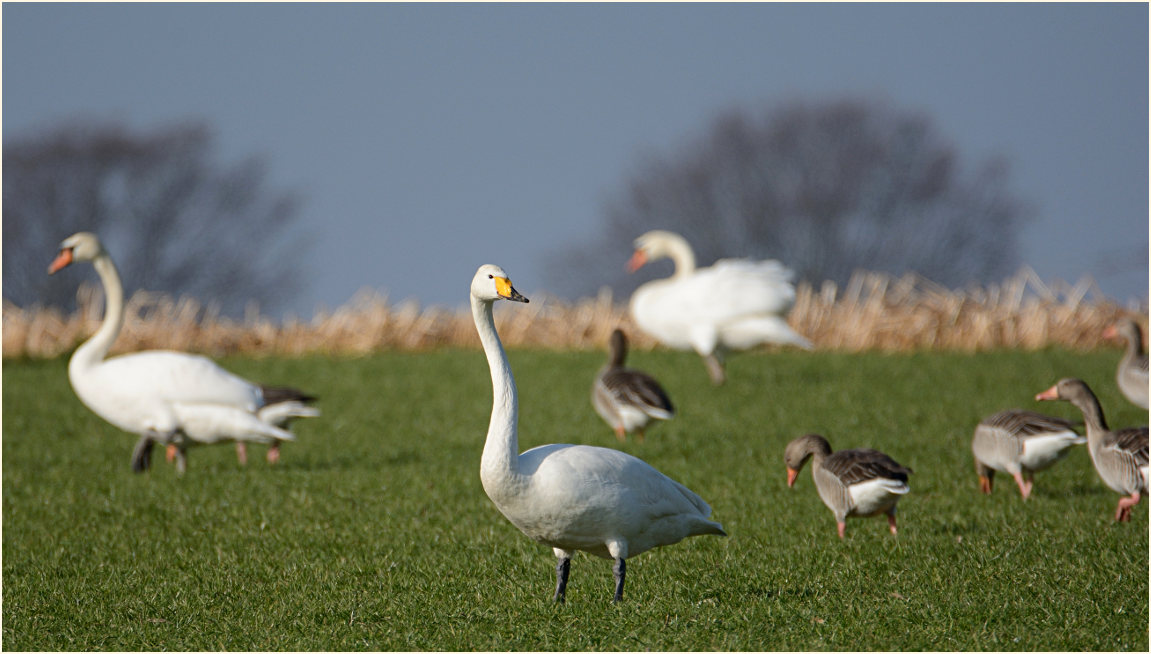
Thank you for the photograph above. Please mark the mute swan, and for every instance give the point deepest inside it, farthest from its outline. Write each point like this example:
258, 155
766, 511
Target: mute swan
734, 304
164, 396
1132, 371
859, 483
1020, 443
625, 398
573, 497
1120, 456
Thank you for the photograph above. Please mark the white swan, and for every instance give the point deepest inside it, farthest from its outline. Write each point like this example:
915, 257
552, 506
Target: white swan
573, 497
170, 397
734, 304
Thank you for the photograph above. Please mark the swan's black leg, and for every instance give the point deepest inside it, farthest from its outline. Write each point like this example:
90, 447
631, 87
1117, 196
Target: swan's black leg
142, 454
619, 569
562, 570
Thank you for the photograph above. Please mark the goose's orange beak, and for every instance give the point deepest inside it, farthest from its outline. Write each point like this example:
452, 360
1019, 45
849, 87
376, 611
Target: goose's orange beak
1049, 394
637, 260
62, 260
792, 473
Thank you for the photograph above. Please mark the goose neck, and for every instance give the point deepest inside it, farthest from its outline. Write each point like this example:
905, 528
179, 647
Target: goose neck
1088, 404
1134, 343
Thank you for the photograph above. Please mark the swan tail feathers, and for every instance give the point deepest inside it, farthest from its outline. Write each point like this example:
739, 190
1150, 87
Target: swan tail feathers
282, 413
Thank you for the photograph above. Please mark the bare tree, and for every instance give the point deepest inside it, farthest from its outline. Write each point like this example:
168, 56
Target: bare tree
827, 188
174, 219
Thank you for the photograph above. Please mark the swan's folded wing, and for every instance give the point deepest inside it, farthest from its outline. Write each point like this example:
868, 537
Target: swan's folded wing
734, 289
177, 377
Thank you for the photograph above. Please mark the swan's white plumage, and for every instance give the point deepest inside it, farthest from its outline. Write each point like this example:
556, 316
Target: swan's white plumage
735, 304
184, 397
573, 497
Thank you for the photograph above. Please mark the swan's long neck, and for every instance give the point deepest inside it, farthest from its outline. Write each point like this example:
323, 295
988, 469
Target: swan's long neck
96, 348
682, 255
499, 467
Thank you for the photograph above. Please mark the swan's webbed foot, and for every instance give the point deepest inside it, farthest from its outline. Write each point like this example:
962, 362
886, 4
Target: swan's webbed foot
562, 570
619, 569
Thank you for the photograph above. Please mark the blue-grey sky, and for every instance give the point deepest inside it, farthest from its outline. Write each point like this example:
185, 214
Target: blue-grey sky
427, 139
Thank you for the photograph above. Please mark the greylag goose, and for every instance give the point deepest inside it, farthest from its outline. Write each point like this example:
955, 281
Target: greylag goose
573, 497
627, 399
1120, 456
168, 397
1020, 443
1132, 372
858, 483
735, 304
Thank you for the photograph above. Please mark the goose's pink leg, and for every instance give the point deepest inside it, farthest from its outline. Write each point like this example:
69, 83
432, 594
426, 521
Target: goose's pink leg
1024, 486
985, 484
1123, 511
842, 526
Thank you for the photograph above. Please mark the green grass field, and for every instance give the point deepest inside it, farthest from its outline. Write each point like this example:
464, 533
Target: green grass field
374, 532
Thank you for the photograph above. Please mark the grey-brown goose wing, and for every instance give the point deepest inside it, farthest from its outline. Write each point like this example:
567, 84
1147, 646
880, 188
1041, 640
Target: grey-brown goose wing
855, 466
277, 394
1131, 441
1024, 423
637, 389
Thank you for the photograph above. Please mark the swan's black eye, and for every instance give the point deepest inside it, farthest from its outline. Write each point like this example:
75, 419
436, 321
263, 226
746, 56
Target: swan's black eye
491, 276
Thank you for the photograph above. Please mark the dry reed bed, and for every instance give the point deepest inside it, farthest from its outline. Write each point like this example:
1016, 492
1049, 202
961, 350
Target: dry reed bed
873, 312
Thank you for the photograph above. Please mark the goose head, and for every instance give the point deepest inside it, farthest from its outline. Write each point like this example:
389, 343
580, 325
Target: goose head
1068, 388
656, 244
800, 450
1126, 329
491, 283
82, 246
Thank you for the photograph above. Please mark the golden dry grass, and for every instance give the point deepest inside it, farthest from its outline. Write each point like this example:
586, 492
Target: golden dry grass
873, 312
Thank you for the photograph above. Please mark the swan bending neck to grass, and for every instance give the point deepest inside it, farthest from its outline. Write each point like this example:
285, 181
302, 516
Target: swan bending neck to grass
573, 497
169, 397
